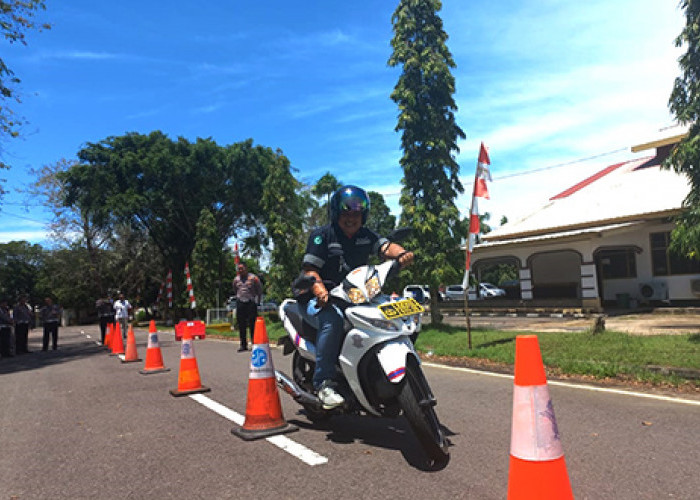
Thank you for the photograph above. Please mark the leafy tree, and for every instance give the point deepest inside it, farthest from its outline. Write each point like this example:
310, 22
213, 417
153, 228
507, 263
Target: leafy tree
429, 141
70, 224
159, 187
380, 218
67, 279
207, 262
16, 18
20, 265
684, 103
284, 210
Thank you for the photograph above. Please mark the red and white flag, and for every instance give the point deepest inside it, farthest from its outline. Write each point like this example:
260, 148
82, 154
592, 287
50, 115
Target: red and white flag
190, 291
483, 174
169, 288
235, 255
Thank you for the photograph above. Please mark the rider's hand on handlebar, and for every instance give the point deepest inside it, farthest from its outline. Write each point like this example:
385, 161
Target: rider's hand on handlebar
321, 293
406, 259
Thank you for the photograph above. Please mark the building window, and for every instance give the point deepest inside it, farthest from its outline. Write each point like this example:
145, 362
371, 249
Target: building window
664, 262
618, 263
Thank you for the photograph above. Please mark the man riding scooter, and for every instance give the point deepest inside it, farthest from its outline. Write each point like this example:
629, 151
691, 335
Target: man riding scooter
323, 260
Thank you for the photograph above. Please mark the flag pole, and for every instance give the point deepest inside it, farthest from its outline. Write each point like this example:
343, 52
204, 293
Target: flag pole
479, 190
467, 267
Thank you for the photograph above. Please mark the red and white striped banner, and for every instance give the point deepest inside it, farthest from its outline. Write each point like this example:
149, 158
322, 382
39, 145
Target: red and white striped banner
482, 175
160, 293
235, 255
190, 291
169, 288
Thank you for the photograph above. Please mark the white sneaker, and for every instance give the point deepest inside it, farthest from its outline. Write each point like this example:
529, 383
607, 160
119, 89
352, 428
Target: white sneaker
330, 398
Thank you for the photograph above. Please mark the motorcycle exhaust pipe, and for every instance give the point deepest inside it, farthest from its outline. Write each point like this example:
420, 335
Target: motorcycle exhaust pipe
300, 395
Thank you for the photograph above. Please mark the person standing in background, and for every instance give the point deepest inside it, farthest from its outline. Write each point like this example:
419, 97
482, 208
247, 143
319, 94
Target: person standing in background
50, 316
105, 310
122, 308
248, 291
5, 330
23, 315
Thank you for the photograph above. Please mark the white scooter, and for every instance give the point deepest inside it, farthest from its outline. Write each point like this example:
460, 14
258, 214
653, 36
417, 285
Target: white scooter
378, 364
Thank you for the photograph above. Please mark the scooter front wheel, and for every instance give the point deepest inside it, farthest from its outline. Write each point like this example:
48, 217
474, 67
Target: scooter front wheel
417, 403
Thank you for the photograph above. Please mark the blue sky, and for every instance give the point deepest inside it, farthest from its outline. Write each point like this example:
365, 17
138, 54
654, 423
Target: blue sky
542, 82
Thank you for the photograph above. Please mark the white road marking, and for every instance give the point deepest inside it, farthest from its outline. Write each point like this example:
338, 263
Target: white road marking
575, 386
295, 449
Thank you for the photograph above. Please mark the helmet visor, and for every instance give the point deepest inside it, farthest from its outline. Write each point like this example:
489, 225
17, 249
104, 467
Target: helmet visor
353, 202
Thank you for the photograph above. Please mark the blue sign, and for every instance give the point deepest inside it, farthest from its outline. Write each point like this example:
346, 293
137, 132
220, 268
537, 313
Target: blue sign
259, 357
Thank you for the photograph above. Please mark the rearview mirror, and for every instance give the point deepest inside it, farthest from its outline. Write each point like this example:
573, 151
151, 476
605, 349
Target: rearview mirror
399, 234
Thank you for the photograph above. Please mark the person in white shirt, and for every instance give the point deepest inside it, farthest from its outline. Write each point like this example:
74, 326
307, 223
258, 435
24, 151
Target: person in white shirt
122, 307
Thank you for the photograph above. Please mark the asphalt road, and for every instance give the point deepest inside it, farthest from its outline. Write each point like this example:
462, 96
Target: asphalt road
77, 423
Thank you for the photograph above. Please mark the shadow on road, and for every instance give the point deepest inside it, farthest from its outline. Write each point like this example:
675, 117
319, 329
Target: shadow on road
387, 433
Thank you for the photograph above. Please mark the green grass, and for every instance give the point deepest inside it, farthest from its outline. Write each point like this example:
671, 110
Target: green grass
607, 354
604, 355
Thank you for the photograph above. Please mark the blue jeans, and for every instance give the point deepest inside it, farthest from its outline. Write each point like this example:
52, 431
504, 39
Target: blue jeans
329, 322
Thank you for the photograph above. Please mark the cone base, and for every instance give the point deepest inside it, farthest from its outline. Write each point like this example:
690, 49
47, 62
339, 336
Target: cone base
538, 480
156, 370
178, 393
117, 354
250, 435
131, 360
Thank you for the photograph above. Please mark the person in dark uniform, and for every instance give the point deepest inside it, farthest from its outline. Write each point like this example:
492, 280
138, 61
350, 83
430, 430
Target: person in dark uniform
6, 323
50, 316
23, 315
248, 291
349, 208
105, 311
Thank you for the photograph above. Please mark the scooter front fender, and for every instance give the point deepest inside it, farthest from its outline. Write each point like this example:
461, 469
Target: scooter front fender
392, 358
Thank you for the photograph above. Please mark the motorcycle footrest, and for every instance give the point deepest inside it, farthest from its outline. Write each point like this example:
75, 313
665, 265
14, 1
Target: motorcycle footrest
427, 402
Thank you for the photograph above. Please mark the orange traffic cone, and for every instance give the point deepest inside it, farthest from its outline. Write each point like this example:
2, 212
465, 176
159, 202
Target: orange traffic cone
537, 466
131, 355
263, 415
154, 357
117, 341
108, 336
188, 381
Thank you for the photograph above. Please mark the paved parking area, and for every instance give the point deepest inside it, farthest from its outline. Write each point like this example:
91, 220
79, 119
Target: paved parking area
637, 324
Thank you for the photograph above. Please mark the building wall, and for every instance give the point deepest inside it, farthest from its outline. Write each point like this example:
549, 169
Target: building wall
551, 262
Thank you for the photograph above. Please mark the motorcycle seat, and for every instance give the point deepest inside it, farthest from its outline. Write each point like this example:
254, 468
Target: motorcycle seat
304, 329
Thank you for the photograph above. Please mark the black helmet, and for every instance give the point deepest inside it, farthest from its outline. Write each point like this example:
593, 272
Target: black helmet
349, 198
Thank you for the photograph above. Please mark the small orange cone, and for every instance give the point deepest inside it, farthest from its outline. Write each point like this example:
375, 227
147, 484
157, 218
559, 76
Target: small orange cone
154, 357
537, 466
108, 336
188, 381
117, 341
263, 415
131, 355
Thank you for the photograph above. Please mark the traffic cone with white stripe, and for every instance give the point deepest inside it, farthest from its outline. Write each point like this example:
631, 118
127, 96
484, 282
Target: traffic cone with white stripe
154, 357
537, 466
131, 354
188, 381
263, 415
108, 336
117, 341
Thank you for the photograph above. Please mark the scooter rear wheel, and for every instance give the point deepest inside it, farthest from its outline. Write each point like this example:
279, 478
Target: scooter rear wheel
416, 401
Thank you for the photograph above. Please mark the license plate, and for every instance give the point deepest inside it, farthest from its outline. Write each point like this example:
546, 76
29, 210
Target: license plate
400, 308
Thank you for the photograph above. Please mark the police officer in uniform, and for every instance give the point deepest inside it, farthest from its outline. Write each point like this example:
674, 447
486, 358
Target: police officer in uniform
50, 316
6, 323
105, 310
248, 291
23, 315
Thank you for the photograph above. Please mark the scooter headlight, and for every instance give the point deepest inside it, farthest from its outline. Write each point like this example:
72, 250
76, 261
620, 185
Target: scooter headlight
383, 324
356, 296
